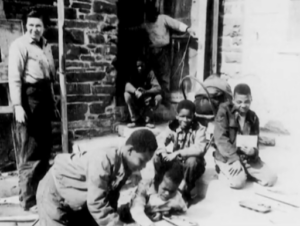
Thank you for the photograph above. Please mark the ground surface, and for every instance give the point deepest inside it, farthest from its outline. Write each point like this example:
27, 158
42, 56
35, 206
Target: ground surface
216, 203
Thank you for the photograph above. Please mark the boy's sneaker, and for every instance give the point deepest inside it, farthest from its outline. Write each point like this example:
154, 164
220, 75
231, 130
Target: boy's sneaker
150, 125
131, 125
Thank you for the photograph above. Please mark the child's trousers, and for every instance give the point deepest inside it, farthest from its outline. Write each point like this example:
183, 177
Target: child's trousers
193, 169
256, 171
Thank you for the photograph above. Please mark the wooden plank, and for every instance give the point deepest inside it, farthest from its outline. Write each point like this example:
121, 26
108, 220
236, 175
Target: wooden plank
215, 36
201, 31
62, 79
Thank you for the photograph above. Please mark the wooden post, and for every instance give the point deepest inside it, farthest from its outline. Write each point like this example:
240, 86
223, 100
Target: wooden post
201, 31
215, 36
62, 79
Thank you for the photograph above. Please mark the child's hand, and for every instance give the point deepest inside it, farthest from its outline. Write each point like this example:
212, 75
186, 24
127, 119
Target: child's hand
235, 168
170, 157
248, 151
156, 217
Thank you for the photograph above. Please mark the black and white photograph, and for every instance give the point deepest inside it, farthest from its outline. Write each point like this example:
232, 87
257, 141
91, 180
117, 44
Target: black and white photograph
149, 112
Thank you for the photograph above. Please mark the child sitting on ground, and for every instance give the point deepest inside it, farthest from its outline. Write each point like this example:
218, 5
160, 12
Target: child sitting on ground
237, 164
84, 188
157, 197
189, 140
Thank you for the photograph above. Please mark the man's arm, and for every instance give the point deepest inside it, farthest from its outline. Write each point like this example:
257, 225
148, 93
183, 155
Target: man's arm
221, 136
197, 149
174, 24
98, 182
16, 68
155, 87
139, 202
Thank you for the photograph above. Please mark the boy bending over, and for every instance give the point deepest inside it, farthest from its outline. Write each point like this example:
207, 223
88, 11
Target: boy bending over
188, 138
237, 164
83, 188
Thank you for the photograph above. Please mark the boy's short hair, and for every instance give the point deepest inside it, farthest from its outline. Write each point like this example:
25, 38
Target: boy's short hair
242, 89
175, 172
143, 140
186, 104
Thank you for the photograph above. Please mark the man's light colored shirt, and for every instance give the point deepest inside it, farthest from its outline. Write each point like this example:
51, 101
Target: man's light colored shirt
28, 63
159, 32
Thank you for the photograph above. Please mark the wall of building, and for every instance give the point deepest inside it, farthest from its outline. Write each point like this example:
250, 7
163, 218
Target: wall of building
91, 45
260, 45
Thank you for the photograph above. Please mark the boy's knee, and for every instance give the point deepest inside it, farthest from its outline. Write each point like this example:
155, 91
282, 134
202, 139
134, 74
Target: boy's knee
158, 99
195, 165
238, 182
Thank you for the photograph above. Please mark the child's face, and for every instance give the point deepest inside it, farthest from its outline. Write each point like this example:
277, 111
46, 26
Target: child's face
242, 102
137, 160
185, 117
167, 189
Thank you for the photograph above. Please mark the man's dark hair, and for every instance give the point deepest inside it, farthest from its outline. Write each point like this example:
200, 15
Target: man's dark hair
38, 13
186, 104
143, 140
151, 13
242, 89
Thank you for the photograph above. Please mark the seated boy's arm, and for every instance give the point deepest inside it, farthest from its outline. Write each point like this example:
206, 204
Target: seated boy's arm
198, 148
175, 24
138, 205
98, 183
221, 136
155, 87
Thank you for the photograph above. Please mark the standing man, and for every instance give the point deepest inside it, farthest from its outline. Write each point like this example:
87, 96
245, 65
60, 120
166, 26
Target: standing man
158, 27
31, 72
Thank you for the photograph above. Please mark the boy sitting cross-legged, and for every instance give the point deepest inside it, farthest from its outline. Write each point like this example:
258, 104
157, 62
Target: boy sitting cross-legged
84, 188
237, 164
189, 141
156, 197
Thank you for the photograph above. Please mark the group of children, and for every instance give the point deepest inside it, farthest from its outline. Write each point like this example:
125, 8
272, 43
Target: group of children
85, 187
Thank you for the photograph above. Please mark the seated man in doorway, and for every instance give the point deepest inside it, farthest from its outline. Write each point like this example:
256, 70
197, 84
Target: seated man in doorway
236, 163
142, 96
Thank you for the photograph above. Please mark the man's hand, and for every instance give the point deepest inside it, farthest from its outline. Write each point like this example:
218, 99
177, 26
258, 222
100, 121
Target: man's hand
171, 157
139, 93
56, 113
235, 168
191, 32
248, 151
20, 114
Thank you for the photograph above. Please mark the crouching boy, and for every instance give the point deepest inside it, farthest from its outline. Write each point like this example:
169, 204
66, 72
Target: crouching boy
237, 164
83, 188
142, 96
157, 197
189, 141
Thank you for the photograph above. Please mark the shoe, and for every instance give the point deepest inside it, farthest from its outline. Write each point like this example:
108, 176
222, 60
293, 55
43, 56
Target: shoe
33, 209
131, 125
150, 125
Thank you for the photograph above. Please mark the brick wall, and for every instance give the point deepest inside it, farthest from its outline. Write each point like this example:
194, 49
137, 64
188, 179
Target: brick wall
91, 38
231, 37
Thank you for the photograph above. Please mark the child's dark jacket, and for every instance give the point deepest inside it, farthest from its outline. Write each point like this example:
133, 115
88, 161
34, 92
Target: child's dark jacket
226, 130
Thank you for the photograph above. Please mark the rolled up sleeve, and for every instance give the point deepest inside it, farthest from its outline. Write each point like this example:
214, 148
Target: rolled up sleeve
16, 69
98, 187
